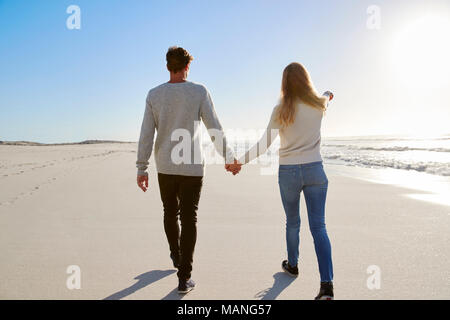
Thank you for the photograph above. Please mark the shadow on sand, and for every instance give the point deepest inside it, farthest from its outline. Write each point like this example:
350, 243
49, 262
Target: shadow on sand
282, 281
173, 295
143, 280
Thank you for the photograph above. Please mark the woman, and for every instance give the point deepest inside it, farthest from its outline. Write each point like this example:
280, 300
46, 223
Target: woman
297, 119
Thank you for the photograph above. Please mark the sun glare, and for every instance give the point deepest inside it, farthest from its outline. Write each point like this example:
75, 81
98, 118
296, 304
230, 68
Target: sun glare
421, 53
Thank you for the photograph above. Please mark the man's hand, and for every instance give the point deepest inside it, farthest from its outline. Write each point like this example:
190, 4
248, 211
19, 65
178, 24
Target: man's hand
142, 182
234, 168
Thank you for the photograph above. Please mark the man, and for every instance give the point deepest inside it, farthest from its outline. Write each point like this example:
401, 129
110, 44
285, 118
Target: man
174, 109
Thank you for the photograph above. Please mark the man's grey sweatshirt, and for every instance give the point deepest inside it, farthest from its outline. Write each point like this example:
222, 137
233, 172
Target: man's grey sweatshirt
175, 110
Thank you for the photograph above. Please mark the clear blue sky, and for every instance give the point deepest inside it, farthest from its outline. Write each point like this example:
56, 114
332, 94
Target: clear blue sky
60, 85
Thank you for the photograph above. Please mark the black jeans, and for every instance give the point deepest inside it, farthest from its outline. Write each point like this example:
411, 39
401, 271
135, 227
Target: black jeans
180, 196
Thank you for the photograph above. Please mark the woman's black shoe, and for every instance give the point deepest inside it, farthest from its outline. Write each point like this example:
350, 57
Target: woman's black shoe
292, 271
326, 291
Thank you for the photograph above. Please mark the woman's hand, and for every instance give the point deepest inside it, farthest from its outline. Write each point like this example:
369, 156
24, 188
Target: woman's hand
329, 94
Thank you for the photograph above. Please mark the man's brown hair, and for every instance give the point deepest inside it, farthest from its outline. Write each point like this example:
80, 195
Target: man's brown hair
177, 59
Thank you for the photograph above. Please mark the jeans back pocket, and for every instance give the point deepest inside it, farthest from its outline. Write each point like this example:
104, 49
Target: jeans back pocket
314, 175
288, 175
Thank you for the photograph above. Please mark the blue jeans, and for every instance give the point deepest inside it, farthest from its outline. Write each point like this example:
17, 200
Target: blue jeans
312, 180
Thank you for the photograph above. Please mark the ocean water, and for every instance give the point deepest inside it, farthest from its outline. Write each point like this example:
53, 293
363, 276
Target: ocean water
415, 163
430, 155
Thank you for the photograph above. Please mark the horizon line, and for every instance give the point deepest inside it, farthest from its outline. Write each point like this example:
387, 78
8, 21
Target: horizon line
100, 141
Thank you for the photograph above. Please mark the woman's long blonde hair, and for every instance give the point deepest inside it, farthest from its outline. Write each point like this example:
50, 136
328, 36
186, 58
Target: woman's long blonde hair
297, 86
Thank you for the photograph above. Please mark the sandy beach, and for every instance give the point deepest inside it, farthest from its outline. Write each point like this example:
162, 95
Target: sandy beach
80, 205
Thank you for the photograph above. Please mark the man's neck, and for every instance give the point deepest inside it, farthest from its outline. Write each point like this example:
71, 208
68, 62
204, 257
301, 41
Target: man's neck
177, 78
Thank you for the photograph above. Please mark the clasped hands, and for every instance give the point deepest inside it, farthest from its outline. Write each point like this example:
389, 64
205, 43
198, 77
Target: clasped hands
234, 167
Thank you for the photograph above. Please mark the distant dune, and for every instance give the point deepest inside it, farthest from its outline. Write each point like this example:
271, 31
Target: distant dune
31, 143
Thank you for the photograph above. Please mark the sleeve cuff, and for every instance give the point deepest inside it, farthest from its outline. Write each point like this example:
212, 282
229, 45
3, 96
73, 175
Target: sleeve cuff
229, 157
142, 173
241, 160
